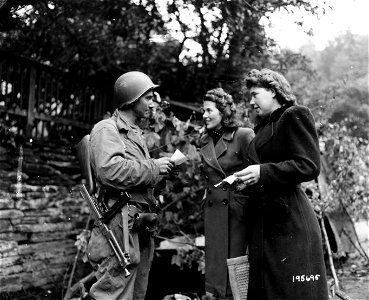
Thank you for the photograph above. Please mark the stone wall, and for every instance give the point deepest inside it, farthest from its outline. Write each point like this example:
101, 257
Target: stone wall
41, 212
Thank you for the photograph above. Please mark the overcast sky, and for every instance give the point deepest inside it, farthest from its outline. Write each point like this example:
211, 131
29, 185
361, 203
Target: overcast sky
345, 15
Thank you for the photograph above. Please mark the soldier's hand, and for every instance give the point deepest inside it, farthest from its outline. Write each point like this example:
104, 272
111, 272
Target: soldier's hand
165, 164
174, 171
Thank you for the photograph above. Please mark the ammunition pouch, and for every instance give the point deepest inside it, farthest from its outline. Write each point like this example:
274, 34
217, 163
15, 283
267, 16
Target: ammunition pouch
146, 221
141, 219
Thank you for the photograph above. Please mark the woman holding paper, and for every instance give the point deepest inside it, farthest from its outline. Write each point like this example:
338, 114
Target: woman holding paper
224, 151
285, 249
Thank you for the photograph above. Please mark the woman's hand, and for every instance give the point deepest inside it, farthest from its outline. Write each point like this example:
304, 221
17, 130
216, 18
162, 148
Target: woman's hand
247, 177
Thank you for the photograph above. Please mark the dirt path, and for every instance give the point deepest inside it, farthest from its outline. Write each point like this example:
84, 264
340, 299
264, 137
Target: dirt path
354, 279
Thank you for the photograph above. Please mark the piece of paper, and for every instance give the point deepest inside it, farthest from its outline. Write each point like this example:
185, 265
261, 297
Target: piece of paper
178, 157
229, 180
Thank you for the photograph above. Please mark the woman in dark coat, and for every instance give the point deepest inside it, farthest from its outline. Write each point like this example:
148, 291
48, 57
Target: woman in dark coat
285, 249
223, 151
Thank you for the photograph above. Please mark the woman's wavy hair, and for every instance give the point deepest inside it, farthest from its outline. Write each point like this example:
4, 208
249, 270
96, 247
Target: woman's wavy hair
224, 103
272, 80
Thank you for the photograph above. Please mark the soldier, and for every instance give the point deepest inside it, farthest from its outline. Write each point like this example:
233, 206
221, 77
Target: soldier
121, 163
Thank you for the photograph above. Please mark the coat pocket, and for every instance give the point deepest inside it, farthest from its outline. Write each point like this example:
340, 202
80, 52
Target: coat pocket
98, 247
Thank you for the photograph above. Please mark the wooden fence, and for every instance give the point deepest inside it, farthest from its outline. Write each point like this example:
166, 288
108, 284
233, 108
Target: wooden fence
42, 103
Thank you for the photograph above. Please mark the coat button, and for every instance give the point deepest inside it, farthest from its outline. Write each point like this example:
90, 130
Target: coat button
224, 188
209, 190
210, 203
225, 202
206, 177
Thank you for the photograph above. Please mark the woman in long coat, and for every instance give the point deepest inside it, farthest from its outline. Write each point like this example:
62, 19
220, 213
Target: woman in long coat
285, 250
224, 151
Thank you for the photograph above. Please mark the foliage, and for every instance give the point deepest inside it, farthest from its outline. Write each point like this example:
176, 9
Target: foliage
338, 88
346, 167
182, 194
85, 38
82, 242
344, 145
336, 91
102, 39
348, 170
188, 258
7, 137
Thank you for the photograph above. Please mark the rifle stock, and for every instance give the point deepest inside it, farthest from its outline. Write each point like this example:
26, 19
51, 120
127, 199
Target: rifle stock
123, 257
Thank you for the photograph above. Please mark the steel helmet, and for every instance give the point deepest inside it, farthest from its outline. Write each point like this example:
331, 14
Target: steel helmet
130, 86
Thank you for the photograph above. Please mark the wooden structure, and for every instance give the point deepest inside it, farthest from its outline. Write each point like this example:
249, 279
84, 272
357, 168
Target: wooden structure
41, 211
42, 103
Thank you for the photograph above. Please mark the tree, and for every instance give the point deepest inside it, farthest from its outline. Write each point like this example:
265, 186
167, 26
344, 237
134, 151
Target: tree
101, 39
338, 91
93, 39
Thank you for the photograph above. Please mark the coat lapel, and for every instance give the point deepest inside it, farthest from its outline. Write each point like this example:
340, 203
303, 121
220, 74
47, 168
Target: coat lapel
253, 156
220, 147
208, 152
223, 143
211, 153
265, 130
265, 135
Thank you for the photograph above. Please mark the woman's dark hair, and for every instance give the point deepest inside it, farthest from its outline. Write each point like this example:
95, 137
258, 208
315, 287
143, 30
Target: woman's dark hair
272, 80
224, 103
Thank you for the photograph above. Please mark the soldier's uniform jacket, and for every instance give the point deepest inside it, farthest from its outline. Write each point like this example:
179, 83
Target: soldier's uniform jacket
225, 227
286, 255
121, 162
120, 159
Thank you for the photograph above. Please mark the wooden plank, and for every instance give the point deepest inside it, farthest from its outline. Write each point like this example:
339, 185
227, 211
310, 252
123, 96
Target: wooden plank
16, 112
7, 79
2, 61
21, 89
38, 86
43, 117
31, 102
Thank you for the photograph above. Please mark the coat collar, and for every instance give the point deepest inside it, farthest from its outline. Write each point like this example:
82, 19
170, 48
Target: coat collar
266, 130
123, 124
211, 153
228, 136
133, 131
273, 116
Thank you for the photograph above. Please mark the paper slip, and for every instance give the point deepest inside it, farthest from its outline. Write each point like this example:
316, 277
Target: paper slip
229, 180
178, 157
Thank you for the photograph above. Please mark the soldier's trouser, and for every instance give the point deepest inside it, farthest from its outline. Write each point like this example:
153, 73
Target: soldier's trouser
111, 281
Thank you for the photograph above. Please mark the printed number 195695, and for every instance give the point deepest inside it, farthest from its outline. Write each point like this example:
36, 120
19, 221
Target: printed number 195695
303, 278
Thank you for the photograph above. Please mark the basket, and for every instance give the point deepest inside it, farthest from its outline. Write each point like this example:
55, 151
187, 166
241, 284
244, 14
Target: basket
238, 269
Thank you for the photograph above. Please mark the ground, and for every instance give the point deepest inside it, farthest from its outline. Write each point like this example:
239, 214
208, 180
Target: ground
353, 277
355, 287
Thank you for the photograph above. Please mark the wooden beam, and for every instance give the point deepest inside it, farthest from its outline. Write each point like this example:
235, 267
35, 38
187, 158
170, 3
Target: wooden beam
31, 102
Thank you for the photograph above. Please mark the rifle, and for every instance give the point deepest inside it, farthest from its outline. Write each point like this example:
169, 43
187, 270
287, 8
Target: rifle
123, 257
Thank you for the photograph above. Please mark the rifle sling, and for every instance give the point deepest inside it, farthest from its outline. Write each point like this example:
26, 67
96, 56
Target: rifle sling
115, 208
125, 229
